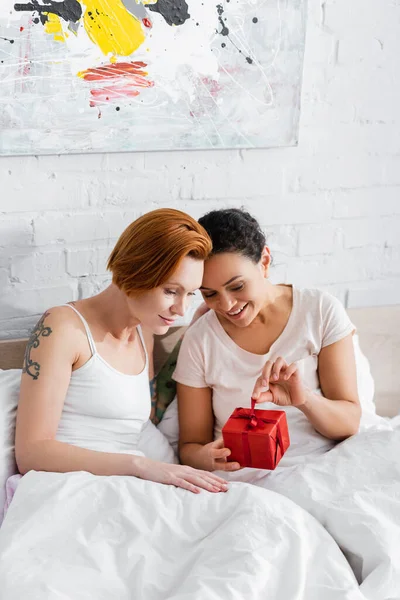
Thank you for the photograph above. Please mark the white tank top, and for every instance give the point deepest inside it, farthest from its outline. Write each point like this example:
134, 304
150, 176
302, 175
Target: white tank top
104, 409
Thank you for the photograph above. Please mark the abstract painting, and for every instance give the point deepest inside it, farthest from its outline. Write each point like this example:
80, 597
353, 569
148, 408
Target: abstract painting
137, 75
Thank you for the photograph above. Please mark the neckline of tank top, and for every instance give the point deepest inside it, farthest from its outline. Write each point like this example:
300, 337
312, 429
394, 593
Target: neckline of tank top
107, 364
95, 352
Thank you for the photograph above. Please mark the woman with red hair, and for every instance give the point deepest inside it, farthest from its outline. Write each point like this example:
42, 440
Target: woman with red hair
85, 384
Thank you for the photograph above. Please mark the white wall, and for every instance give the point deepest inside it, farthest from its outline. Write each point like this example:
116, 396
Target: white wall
331, 206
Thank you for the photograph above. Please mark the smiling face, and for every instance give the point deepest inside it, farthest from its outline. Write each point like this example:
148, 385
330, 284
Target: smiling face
234, 286
157, 309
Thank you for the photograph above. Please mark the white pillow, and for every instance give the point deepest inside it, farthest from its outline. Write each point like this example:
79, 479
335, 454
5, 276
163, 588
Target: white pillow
9, 393
365, 381
154, 444
169, 424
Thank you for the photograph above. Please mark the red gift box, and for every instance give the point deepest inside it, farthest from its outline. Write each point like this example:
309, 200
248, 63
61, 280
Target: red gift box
256, 438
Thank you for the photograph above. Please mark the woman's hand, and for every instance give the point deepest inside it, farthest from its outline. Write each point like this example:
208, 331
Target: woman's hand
215, 455
179, 475
281, 384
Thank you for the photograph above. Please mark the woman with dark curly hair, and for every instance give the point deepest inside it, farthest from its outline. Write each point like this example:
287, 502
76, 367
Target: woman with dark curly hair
289, 347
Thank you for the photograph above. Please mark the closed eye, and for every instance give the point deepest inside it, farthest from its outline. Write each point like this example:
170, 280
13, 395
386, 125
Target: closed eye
174, 293
212, 294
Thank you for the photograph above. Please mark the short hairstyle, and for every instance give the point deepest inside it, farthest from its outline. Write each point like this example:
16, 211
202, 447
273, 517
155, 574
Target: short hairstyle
234, 230
152, 247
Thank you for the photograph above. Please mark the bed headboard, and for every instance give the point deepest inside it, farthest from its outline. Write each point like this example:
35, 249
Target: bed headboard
12, 353
379, 332
378, 329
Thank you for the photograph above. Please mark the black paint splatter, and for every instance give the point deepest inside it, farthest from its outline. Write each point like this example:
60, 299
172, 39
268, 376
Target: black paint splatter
225, 31
7, 40
69, 10
220, 11
255, 20
175, 12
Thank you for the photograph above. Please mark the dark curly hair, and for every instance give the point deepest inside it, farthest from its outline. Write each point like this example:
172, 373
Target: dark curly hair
234, 230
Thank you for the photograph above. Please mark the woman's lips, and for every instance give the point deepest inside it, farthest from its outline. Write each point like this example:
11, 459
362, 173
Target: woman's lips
167, 321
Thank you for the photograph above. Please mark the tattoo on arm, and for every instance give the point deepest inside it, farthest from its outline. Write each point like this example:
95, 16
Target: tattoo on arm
30, 366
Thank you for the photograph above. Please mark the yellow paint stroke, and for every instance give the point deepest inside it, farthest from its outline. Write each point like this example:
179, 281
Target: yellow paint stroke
53, 26
112, 28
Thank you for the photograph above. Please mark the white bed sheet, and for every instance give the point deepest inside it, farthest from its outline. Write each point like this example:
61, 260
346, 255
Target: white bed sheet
76, 536
354, 492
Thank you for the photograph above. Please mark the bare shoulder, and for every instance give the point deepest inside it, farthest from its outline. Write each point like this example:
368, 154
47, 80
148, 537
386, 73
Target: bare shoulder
57, 320
58, 333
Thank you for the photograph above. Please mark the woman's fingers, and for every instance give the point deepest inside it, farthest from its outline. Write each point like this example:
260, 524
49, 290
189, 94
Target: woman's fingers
219, 443
221, 487
193, 480
223, 465
220, 453
231, 466
215, 477
262, 383
272, 371
290, 370
264, 397
266, 373
186, 485
278, 366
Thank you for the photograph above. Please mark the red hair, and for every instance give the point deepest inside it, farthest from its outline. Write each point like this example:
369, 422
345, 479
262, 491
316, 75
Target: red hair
152, 247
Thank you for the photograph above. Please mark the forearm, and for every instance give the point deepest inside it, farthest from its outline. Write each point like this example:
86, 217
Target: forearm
335, 419
55, 456
190, 454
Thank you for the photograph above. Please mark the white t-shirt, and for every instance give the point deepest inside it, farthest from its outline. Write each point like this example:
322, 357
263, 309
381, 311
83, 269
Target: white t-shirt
210, 358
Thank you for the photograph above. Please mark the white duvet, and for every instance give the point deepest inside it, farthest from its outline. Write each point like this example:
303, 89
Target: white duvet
77, 536
326, 529
354, 492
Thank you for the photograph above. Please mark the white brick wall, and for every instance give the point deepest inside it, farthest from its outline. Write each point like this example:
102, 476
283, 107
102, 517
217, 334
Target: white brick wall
331, 206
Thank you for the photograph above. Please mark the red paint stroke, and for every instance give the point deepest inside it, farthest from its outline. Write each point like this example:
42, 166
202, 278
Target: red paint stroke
213, 86
147, 23
21, 28
114, 70
122, 81
101, 95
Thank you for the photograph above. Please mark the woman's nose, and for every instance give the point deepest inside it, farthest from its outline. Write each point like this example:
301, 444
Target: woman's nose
225, 303
180, 307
